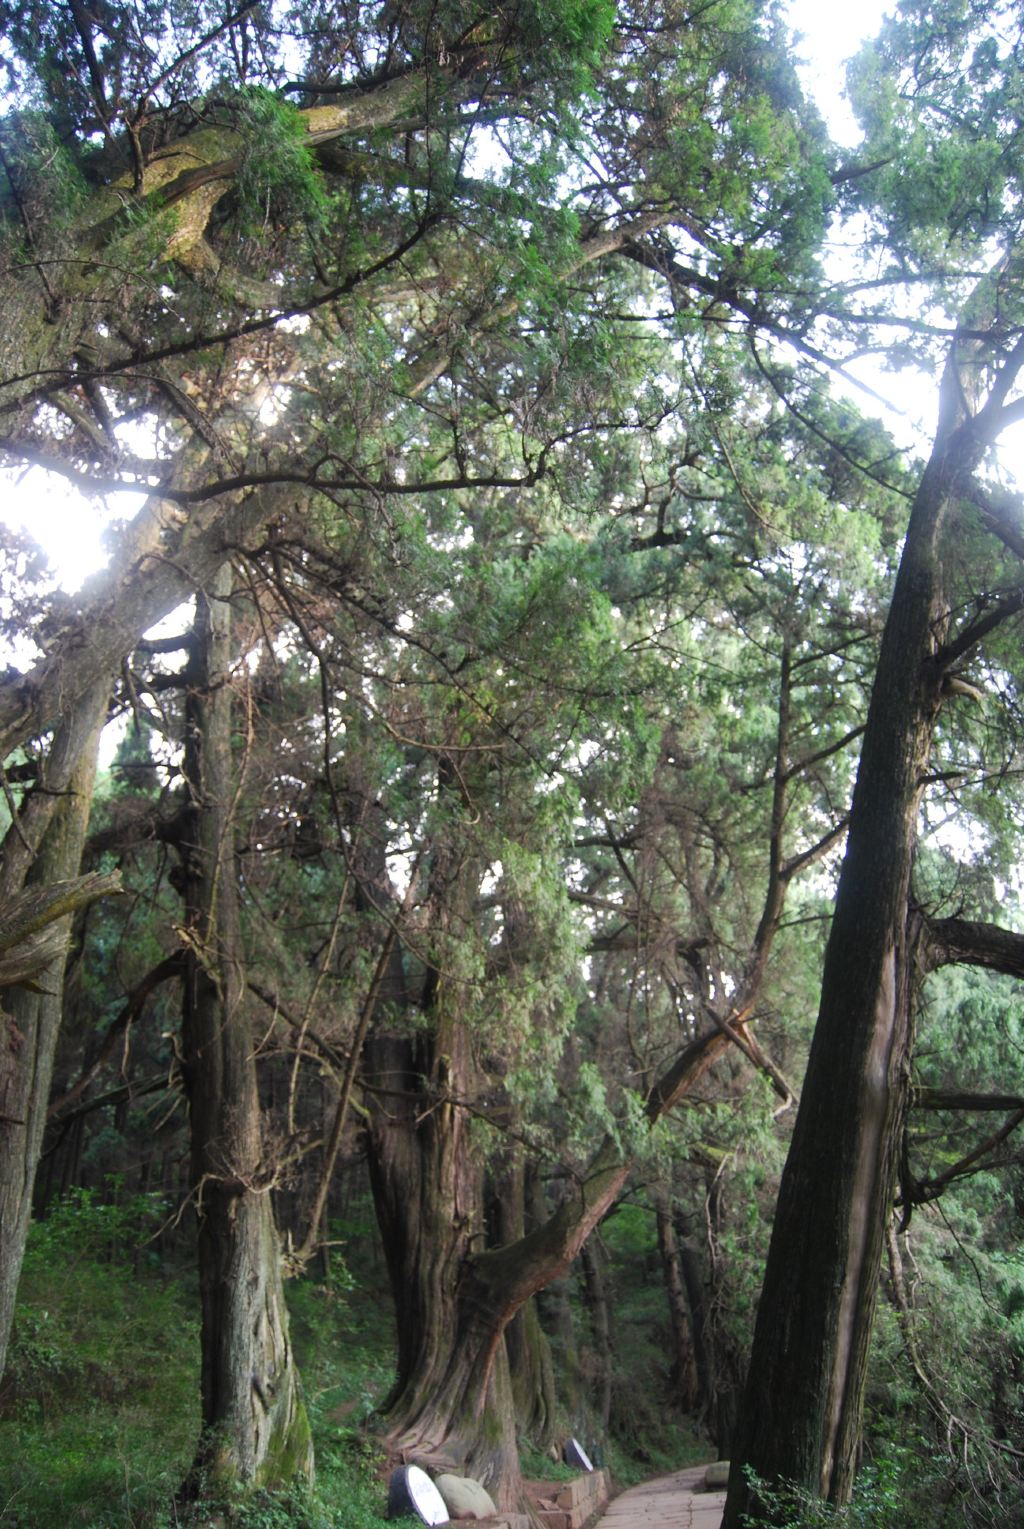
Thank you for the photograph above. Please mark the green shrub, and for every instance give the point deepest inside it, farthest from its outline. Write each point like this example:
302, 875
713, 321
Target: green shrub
899, 1489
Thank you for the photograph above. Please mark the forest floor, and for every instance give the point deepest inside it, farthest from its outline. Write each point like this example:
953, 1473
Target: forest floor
678, 1501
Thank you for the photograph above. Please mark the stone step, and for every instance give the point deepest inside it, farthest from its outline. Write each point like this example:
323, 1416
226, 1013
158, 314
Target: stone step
569, 1504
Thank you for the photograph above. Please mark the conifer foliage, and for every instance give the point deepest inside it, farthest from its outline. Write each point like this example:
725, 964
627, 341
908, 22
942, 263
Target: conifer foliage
519, 640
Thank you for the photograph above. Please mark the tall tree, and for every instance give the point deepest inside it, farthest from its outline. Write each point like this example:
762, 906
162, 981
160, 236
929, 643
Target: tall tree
945, 177
428, 345
255, 1430
836, 1197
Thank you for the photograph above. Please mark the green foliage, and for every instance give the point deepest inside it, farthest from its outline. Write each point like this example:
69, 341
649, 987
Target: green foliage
537, 1465
278, 178
559, 704
99, 1409
939, 93
965, 1330
571, 34
89, 1226
898, 1490
40, 185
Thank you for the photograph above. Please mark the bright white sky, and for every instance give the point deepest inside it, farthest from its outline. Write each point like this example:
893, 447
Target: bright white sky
70, 527
832, 34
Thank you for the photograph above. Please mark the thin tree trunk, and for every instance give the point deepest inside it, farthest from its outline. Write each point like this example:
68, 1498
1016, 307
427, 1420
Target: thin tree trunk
255, 1429
556, 1314
595, 1296
533, 1376
725, 1371
684, 1361
526, 1343
693, 1279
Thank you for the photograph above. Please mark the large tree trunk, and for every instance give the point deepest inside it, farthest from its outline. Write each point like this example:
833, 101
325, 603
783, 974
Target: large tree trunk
31, 1017
455, 1297
452, 1400
255, 1429
802, 1411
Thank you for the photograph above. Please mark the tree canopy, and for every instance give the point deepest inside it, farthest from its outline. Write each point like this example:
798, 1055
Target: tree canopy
564, 690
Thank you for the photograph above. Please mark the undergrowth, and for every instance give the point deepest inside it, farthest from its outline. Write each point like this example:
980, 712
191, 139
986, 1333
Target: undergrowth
99, 1411
102, 1365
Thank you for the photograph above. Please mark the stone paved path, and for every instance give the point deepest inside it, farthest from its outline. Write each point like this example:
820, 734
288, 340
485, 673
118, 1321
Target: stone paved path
671, 1502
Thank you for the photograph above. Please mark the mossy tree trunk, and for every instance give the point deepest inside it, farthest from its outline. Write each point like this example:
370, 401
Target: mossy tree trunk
255, 1429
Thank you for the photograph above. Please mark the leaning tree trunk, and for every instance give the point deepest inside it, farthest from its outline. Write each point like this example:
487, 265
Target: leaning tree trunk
255, 1429
31, 1015
802, 1410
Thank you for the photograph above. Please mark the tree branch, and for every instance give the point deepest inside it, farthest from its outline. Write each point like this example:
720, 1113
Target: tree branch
926, 1190
170, 966
1009, 605
950, 1099
964, 942
30, 934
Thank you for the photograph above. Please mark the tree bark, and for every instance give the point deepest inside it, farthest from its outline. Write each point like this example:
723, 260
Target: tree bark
29, 1027
555, 1309
31, 932
255, 1429
526, 1343
696, 1296
452, 1401
532, 1371
968, 942
802, 1411
595, 1296
685, 1373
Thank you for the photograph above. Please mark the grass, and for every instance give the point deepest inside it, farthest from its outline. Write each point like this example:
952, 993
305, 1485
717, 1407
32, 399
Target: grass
102, 1363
